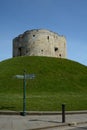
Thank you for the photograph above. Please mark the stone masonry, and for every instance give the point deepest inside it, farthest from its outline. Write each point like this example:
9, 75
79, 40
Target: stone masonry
39, 42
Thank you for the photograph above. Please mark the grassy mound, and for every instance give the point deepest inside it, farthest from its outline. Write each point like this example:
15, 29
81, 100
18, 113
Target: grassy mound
57, 81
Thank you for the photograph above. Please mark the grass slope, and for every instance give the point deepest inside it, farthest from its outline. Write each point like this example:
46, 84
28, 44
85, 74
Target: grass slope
57, 81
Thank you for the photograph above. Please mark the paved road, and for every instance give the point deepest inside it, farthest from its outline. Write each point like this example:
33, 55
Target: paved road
17, 122
79, 127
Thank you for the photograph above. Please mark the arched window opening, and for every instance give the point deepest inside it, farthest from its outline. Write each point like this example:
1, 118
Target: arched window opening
60, 55
20, 51
55, 49
48, 37
33, 35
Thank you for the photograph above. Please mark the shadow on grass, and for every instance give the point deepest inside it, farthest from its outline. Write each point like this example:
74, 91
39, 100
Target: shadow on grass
6, 108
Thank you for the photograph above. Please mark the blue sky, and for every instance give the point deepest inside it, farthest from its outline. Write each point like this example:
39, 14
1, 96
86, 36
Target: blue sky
65, 17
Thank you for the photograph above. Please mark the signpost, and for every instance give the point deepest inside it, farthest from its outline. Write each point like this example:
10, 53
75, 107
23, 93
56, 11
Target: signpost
24, 77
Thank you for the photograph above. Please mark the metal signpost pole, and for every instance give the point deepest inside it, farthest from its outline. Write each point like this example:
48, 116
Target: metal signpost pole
24, 95
24, 77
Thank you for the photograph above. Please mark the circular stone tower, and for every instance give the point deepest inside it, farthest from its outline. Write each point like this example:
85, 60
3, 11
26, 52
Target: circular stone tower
39, 42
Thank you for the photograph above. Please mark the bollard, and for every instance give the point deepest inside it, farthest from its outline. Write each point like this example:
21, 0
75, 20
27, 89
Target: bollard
63, 113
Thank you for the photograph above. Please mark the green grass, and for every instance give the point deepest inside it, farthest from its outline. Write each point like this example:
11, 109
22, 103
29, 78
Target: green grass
57, 81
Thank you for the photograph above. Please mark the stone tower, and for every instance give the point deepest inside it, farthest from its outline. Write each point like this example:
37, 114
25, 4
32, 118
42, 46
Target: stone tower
39, 42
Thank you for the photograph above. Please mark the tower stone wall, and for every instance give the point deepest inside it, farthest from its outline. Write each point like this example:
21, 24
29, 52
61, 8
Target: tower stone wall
39, 42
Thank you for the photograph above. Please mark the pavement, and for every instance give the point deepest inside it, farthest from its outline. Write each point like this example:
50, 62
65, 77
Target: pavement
40, 120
